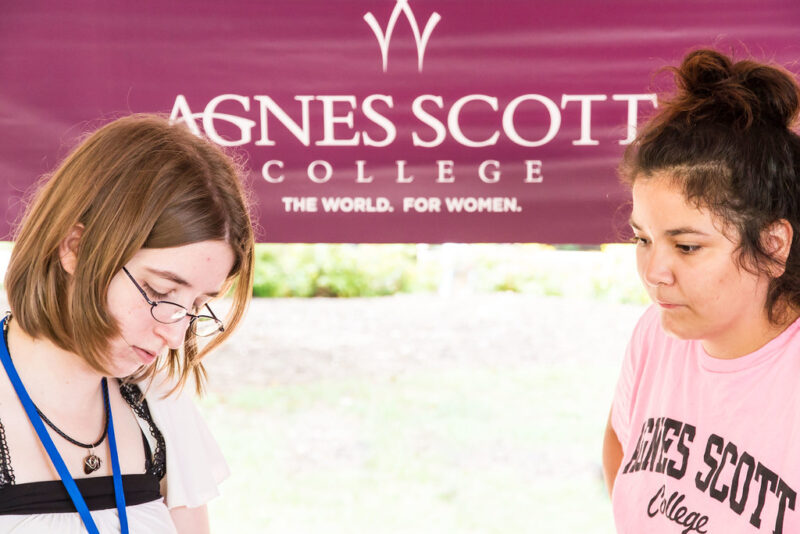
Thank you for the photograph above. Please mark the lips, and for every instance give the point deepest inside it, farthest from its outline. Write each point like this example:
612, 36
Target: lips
668, 305
146, 356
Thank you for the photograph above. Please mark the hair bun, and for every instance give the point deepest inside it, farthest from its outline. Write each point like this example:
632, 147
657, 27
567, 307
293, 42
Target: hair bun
703, 71
712, 87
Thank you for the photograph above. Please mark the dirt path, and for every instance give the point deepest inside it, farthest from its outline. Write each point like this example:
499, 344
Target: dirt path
299, 340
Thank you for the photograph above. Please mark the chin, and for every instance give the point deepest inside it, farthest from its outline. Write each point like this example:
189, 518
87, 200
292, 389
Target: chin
124, 367
124, 371
677, 329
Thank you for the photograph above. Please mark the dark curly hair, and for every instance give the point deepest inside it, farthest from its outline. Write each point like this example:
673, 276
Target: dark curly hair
726, 139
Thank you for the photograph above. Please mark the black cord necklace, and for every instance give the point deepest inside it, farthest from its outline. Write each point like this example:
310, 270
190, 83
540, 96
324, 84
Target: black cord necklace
91, 462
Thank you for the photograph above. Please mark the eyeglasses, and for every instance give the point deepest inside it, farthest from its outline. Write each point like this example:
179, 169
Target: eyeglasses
167, 312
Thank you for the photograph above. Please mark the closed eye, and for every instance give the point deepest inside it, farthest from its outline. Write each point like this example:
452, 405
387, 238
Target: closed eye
636, 240
155, 295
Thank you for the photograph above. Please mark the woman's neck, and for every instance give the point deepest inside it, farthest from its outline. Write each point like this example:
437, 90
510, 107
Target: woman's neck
56, 379
749, 335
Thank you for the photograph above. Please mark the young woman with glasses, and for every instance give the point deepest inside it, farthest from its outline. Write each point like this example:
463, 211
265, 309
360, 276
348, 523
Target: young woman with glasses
110, 283
704, 430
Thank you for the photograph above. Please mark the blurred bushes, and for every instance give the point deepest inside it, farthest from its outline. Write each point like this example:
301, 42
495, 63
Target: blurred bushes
340, 271
344, 270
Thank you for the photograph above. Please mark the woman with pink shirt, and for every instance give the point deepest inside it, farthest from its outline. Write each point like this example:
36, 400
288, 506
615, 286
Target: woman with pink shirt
704, 430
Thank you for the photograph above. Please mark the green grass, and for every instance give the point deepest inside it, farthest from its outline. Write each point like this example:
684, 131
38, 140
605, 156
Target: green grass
483, 450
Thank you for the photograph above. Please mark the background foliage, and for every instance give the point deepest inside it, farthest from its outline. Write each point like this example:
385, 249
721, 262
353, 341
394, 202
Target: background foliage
343, 270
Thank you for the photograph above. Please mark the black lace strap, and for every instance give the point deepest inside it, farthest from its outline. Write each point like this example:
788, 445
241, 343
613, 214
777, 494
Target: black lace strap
133, 396
6, 471
155, 462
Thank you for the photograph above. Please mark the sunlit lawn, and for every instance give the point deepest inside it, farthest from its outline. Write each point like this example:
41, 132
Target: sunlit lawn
489, 450
508, 448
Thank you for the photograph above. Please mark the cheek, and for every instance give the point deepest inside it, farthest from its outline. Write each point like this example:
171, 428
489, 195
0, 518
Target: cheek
641, 259
726, 289
704, 290
121, 304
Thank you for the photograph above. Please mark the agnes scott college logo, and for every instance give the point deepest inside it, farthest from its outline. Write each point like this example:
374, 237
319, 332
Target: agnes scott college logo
385, 37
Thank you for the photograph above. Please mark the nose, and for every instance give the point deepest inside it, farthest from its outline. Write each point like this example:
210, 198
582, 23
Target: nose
655, 267
174, 333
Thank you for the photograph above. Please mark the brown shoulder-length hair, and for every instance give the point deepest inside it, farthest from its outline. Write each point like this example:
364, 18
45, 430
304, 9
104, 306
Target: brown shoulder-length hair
135, 183
726, 139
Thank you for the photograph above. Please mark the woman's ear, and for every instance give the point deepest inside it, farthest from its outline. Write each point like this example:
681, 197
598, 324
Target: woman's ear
777, 242
68, 248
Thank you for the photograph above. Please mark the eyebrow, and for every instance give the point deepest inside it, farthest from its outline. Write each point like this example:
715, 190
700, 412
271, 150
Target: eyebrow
169, 275
673, 231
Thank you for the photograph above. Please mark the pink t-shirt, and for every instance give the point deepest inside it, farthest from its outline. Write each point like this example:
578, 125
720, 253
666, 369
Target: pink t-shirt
710, 445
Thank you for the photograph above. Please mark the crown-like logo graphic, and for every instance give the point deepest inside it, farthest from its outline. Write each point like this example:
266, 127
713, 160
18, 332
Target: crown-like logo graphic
385, 37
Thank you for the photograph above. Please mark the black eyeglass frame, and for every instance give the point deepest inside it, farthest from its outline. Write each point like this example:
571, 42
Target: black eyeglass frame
193, 317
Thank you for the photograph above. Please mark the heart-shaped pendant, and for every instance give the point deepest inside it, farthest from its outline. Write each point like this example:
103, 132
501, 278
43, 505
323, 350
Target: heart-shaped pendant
91, 463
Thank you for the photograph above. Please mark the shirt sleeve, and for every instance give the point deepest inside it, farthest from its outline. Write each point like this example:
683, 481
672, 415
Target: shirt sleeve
629, 377
195, 464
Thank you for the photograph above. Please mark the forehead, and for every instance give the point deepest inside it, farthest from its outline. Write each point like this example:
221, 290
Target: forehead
206, 263
659, 205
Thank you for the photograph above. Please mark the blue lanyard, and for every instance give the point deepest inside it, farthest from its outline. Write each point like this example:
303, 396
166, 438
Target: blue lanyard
55, 457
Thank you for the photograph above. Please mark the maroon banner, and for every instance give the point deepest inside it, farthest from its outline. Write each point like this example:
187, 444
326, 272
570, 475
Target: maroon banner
375, 120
